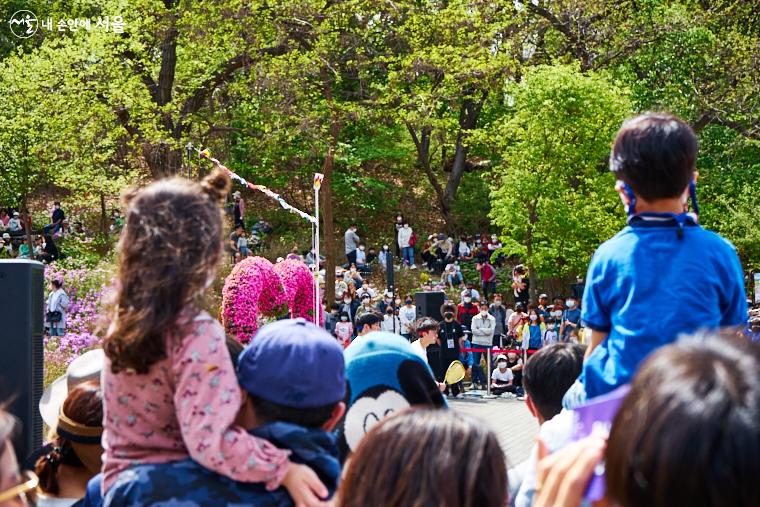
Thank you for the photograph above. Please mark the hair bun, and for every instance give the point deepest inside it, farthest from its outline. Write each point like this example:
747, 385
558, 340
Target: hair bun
217, 184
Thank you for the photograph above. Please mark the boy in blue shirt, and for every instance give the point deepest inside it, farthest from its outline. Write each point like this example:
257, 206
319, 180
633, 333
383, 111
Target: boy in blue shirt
662, 275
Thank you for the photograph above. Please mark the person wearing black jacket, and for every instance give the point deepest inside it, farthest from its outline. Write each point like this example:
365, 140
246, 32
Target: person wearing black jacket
451, 340
50, 253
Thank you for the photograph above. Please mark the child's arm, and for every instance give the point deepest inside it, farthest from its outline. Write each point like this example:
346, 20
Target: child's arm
597, 337
207, 399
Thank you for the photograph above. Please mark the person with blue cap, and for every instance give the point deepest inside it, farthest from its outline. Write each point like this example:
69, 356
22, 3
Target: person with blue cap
294, 407
384, 375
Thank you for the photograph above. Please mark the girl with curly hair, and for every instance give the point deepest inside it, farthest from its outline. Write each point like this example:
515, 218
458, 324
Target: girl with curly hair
169, 386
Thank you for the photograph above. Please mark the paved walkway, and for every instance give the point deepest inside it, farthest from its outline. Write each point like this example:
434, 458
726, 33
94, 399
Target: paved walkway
510, 419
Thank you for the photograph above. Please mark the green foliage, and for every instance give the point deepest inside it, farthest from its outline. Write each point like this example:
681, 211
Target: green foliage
554, 198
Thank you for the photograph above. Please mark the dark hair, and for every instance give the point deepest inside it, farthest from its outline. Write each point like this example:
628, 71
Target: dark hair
423, 324
335, 306
83, 405
235, 348
655, 153
549, 373
170, 246
312, 417
56, 282
687, 433
484, 303
368, 319
425, 457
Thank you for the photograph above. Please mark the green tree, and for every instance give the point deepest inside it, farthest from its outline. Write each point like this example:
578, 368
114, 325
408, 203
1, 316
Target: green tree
554, 198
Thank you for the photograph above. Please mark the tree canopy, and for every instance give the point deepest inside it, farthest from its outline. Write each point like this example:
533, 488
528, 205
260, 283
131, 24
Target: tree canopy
449, 111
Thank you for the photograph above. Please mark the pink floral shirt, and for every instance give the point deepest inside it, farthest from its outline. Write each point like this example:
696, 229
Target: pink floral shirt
185, 406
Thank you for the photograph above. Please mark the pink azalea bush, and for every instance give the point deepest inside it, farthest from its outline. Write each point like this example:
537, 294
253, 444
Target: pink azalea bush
298, 282
85, 288
252, 293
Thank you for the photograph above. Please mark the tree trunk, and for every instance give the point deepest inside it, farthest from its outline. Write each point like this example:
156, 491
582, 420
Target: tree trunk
162, 160
103, 216
529, 251
329, 238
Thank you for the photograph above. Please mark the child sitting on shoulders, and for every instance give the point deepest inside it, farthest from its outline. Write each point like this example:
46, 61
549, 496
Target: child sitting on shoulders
662, 275
169, 387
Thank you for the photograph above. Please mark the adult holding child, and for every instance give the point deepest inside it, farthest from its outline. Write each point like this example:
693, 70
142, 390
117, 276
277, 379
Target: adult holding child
283, 403
168, 384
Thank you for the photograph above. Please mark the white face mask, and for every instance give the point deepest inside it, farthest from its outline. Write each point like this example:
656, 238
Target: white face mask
406, 226
570, 303
534, 317
497, 303
467, 300
557, 313
502, 365
484, 313
361, 248
347, 300
344, 319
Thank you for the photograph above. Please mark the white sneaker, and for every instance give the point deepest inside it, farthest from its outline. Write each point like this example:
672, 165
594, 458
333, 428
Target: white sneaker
413, 266
460, 395
521, 398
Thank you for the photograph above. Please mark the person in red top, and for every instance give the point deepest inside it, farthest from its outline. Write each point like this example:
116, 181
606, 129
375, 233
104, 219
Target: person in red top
487, 278
466, 310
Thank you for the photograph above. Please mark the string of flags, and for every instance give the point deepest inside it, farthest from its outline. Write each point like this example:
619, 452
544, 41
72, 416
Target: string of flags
205, 153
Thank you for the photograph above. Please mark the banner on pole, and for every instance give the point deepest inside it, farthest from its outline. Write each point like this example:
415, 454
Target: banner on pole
318, 177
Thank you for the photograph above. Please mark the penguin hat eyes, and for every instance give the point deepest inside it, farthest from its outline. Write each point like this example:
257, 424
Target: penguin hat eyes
368, 410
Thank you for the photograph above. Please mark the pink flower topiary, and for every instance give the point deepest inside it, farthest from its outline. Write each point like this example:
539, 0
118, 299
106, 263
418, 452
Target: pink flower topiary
251, 291
298, 281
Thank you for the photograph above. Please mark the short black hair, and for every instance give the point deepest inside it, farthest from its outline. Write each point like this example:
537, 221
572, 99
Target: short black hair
549, 373
312, 417
239, 226
235, 348
335, 306
687, 433
656, 154
368, 319
56, 283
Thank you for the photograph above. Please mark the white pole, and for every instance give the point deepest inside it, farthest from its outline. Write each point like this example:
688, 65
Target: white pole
317, 299
317, 302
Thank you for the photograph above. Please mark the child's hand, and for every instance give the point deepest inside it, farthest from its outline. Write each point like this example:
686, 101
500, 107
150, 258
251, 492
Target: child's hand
304, 487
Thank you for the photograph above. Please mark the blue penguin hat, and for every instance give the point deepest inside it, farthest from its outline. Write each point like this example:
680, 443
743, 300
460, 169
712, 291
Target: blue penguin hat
383, 375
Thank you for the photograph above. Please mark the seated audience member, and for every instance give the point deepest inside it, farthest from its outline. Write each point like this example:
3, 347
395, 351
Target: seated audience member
73, 456
426, 458
293, 407
502, 378
17, 488
686, 433
384, 376
515, 364
547, 375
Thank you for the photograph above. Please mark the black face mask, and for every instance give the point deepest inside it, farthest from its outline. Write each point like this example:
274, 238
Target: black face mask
448, 316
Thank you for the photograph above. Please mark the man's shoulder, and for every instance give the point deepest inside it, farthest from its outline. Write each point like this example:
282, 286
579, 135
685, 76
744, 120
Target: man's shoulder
188, 483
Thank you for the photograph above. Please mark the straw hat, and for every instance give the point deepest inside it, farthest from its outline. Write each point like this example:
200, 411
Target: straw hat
86, 367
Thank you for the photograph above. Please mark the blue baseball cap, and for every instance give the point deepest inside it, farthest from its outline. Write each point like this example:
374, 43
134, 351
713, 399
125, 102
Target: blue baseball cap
293, 363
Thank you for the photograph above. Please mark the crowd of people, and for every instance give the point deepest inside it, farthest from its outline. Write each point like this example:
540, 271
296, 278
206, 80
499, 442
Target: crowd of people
182, 415
14, 242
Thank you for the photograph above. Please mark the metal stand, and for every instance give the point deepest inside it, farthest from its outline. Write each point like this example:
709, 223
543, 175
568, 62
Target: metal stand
488, 394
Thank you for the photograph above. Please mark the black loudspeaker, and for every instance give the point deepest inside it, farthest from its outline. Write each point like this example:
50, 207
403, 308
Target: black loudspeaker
429, 304
22, 308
